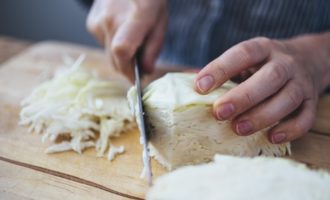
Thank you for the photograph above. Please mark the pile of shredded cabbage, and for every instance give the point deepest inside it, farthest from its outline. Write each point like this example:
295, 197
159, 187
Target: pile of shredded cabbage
233, 178
76, 104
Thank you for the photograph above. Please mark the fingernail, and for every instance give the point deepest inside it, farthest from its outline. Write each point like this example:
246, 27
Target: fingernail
244, 127
278, 138
205, 83
225, 111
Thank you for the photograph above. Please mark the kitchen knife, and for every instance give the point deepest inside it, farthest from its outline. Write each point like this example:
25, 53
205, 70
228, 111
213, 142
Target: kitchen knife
141, 116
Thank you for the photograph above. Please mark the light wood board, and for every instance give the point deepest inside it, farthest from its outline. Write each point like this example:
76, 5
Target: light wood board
10, 46
18, 182
17, 78
25, 151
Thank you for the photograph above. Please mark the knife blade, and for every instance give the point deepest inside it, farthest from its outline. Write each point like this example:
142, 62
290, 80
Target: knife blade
143, 130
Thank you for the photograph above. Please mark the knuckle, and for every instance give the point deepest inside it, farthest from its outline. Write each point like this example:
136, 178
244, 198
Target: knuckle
249, 99
300, 128
120, 50
97, 24
247, 51
91, 26
108, 19
295, 96
288, 62
279, 73
303, 124
263, 41
222, 72
294, 129
250, 49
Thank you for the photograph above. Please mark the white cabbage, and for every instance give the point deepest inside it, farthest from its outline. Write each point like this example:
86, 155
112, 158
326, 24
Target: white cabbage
235, 178
76, 104
183, 130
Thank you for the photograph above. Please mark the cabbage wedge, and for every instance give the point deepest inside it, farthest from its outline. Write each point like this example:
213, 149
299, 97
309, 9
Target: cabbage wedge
183, 130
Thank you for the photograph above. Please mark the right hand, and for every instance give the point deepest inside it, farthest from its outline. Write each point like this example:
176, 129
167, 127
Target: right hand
124, 26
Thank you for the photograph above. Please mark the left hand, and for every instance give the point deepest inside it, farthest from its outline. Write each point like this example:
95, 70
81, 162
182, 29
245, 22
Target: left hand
288, 77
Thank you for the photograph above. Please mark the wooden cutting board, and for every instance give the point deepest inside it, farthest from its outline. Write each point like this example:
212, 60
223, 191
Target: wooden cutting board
74, 176
17, 78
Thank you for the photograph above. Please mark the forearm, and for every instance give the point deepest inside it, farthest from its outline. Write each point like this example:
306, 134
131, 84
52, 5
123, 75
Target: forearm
315, 50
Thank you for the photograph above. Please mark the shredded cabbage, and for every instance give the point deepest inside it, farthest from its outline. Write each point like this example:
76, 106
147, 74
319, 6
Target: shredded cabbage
78, 105
234, 178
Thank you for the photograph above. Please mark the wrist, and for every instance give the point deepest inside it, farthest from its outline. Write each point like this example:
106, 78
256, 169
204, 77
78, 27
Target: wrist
324, 41
314, 50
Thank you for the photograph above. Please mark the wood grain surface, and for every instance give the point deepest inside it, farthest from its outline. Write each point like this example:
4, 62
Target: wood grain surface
21, 182
18, 77
10, 46
26, 172
322, 122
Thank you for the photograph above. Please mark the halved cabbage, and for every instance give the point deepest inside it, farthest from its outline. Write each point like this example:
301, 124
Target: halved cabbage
183, 130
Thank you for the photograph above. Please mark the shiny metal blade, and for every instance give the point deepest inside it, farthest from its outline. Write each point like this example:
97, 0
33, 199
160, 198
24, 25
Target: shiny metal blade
146, 157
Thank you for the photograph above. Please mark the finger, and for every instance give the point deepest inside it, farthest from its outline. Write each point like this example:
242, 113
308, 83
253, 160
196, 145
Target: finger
97, 19
270, 111
96, 30
109, 57
128, 38
153, 45
261, 85
231, 63
295, 127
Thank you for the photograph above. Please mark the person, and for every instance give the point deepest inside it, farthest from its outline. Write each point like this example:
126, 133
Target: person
281, 49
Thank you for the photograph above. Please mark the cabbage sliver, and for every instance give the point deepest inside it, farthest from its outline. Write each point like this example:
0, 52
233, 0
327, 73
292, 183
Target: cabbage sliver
78, 105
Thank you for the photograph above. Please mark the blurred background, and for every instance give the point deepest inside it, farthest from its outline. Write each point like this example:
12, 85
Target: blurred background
37, 20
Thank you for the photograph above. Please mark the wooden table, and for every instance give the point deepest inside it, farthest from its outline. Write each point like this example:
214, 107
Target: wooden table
10, 46
36, 175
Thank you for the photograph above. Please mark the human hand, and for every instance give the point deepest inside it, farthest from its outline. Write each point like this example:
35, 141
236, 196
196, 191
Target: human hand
284, 89
124, 26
